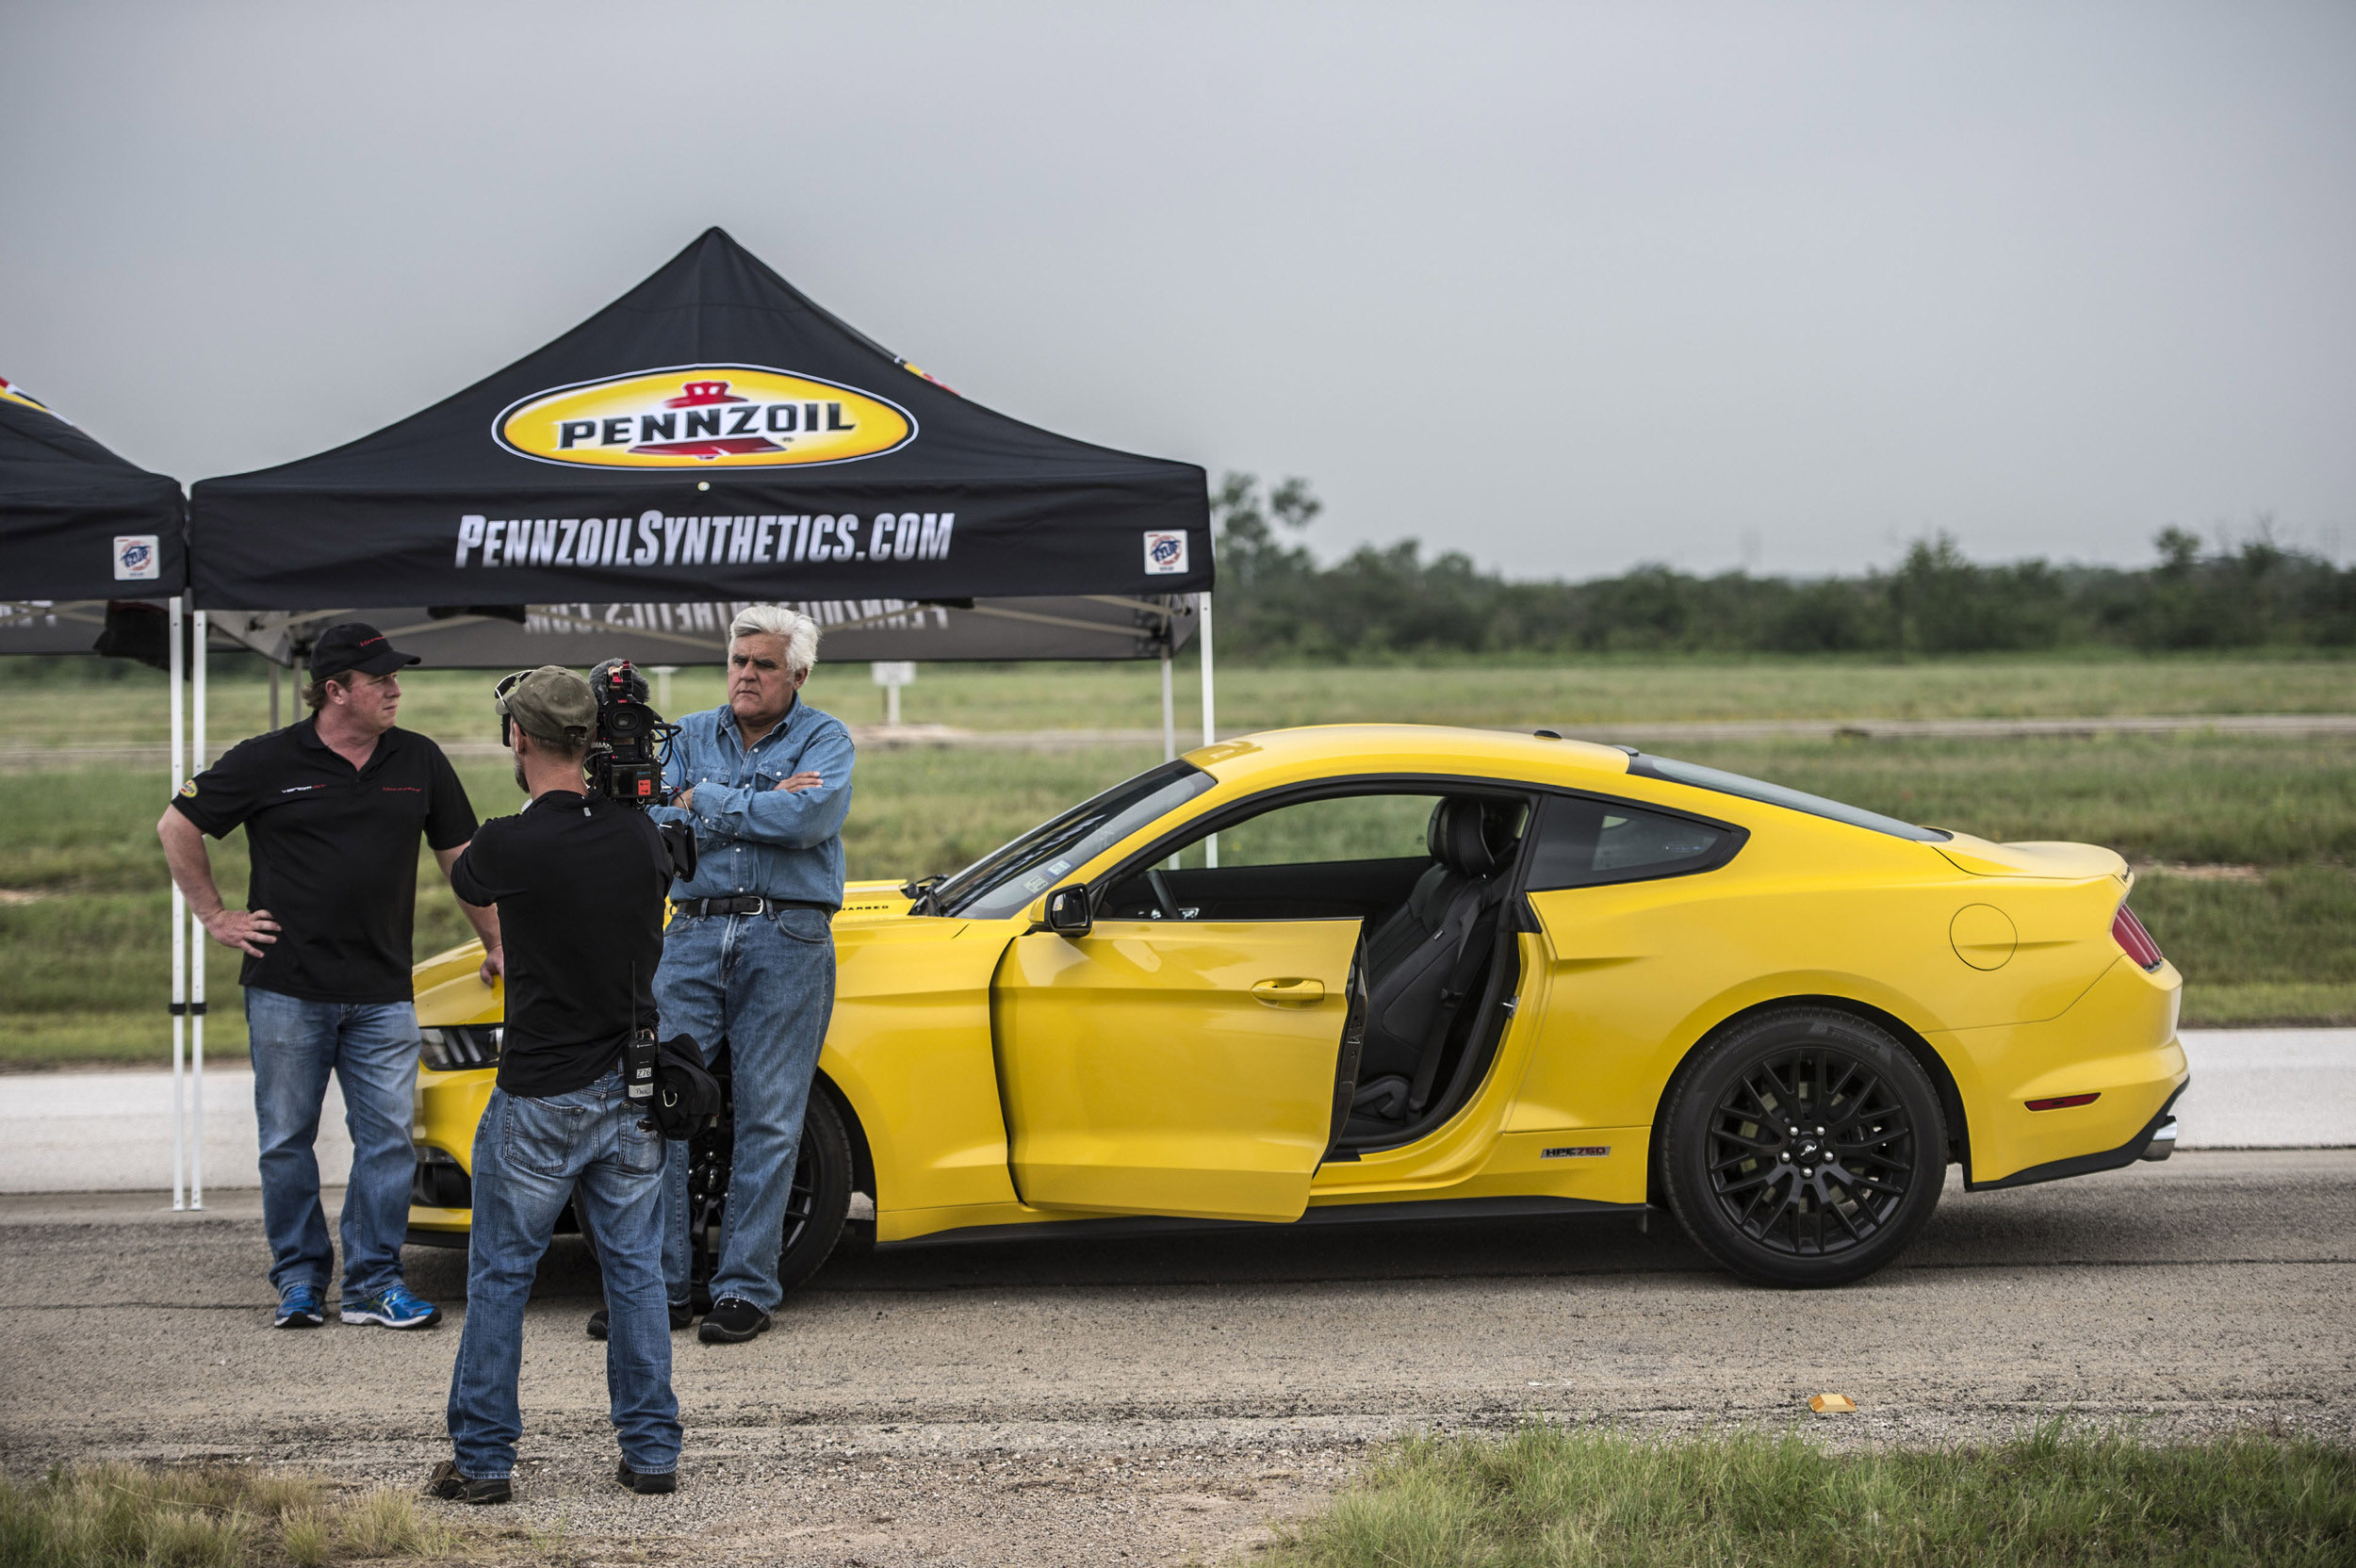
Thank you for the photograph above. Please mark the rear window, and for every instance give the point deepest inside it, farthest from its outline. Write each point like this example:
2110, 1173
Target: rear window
1584, 843
1775, 794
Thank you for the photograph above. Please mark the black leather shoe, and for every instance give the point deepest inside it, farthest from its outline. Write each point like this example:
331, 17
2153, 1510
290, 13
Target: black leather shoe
647, 1486
682, 1316
733, 1320
452, 1487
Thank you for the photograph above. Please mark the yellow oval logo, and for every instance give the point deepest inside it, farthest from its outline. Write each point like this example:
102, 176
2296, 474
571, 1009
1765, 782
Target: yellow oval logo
704, 417
10, 392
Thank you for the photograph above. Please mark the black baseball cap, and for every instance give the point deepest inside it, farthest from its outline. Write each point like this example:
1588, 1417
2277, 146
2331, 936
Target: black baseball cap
355, 646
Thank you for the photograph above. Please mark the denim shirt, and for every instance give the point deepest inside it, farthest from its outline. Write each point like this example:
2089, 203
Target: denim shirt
750, 836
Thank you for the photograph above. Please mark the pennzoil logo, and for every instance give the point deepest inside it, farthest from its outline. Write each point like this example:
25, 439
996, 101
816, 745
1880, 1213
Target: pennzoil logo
704, 417
11, 392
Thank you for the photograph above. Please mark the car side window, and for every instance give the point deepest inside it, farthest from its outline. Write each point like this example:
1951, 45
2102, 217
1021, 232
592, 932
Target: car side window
1584, 843
1314, 832
1339, 856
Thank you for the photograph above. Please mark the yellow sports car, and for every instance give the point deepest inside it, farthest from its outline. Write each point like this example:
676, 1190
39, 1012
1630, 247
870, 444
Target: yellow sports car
1398, 971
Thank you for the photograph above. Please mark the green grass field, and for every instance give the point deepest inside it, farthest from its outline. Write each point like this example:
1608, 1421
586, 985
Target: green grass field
1549, 1497
2246, 841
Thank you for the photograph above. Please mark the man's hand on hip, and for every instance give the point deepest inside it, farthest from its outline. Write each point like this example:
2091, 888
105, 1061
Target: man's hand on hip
242, 929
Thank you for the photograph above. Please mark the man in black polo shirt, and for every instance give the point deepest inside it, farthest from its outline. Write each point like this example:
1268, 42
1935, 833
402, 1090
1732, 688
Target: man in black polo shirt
333, 808
580, 884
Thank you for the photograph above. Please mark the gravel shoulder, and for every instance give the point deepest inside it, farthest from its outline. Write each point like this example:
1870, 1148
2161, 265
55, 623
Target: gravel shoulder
1066, 1403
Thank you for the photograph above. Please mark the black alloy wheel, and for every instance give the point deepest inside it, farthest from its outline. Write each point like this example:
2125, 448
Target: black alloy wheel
816, 1205
1804, 1147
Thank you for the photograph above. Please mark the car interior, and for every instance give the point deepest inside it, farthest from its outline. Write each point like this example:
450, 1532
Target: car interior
1428, 876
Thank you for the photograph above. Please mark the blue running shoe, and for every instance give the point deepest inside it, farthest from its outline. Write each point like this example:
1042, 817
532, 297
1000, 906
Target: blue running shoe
298, 1308
394, 1307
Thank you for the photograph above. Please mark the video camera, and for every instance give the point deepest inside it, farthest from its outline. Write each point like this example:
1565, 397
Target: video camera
626, 755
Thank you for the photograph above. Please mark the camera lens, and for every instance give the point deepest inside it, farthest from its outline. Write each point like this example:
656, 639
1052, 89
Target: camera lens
625, 722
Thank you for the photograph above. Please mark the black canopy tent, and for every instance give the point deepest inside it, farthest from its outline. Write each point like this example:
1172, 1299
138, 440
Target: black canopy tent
93, 558
712, 439
78, 527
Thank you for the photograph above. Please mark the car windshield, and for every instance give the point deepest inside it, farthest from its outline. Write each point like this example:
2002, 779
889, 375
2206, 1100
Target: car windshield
1002, 882
1775, 794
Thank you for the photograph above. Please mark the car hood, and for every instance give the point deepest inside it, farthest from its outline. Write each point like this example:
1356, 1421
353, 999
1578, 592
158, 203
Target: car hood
2073, 863
873, 901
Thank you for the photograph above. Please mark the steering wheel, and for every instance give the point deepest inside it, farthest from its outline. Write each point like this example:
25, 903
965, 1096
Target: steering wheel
1161, 894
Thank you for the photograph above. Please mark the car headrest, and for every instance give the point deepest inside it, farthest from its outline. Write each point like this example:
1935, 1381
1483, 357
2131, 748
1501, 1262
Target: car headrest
1458, 836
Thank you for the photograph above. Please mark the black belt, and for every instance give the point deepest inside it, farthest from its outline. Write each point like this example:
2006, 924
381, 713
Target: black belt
744, 903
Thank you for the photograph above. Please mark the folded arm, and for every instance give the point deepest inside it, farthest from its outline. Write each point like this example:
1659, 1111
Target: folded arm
798, 813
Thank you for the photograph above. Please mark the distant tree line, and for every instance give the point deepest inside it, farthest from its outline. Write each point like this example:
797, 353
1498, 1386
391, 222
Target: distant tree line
1276, 602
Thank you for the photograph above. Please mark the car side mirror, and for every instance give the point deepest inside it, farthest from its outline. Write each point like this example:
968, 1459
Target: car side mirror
1067, 912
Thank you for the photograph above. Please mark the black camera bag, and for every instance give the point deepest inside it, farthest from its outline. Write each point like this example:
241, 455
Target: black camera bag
686, 1096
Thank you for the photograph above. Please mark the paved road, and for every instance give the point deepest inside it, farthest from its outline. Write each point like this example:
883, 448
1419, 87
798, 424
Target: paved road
93, 1132
1070, 1403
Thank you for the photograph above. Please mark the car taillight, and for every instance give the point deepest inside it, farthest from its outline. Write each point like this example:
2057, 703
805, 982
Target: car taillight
2129, 933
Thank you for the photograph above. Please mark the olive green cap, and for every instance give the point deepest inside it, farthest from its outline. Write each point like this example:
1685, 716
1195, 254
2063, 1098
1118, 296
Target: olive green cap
552, 704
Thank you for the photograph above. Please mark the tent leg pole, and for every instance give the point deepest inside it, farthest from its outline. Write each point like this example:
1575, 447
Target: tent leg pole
1210, 716
179, 933
273, 693
196, 969
1169, 713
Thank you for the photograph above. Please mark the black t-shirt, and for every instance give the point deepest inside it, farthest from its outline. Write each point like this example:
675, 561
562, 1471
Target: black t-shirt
580, 885
334, 853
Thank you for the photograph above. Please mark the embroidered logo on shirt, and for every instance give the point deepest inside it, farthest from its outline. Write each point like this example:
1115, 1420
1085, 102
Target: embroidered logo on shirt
405, 789
290, 789
189, 787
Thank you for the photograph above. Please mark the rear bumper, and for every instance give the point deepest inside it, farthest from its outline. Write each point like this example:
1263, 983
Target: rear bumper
2156, 1141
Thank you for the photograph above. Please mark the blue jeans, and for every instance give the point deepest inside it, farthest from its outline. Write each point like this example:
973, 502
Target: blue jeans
373, 1049
593, 1147
765, 985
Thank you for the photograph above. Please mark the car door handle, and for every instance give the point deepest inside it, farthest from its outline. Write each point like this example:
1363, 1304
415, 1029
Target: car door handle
1290, 992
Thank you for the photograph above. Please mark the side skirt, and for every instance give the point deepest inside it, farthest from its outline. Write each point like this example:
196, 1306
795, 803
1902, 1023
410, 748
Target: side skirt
2086, 1165
1332, 1214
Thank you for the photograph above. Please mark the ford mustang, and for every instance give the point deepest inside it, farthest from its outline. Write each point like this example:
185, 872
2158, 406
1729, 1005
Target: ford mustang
1398, 971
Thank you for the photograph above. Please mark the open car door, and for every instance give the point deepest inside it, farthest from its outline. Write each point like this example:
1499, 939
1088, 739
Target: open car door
1173, 1068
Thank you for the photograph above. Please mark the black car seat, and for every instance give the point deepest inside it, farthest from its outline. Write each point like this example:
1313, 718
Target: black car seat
1416, 959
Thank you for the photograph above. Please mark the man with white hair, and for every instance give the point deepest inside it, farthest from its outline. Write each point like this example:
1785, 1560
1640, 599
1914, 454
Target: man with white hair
748, 958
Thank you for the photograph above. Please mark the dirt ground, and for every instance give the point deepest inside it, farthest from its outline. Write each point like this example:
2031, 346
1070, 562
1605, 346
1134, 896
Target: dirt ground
1175, 1399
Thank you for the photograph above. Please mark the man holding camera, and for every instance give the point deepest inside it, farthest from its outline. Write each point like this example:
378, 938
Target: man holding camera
578, 882
333, 808
765, 782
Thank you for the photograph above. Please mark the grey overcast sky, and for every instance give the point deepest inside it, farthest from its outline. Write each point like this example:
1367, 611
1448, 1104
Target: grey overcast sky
1565, 287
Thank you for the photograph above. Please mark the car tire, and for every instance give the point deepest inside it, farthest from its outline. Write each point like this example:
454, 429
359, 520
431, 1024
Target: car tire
820, 1200
1803, 1147
816, 1205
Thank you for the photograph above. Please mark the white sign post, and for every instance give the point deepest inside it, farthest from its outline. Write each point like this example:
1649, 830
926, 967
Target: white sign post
893, 674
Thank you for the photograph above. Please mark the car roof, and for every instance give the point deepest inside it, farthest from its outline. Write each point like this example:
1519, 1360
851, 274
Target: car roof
1283, 755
